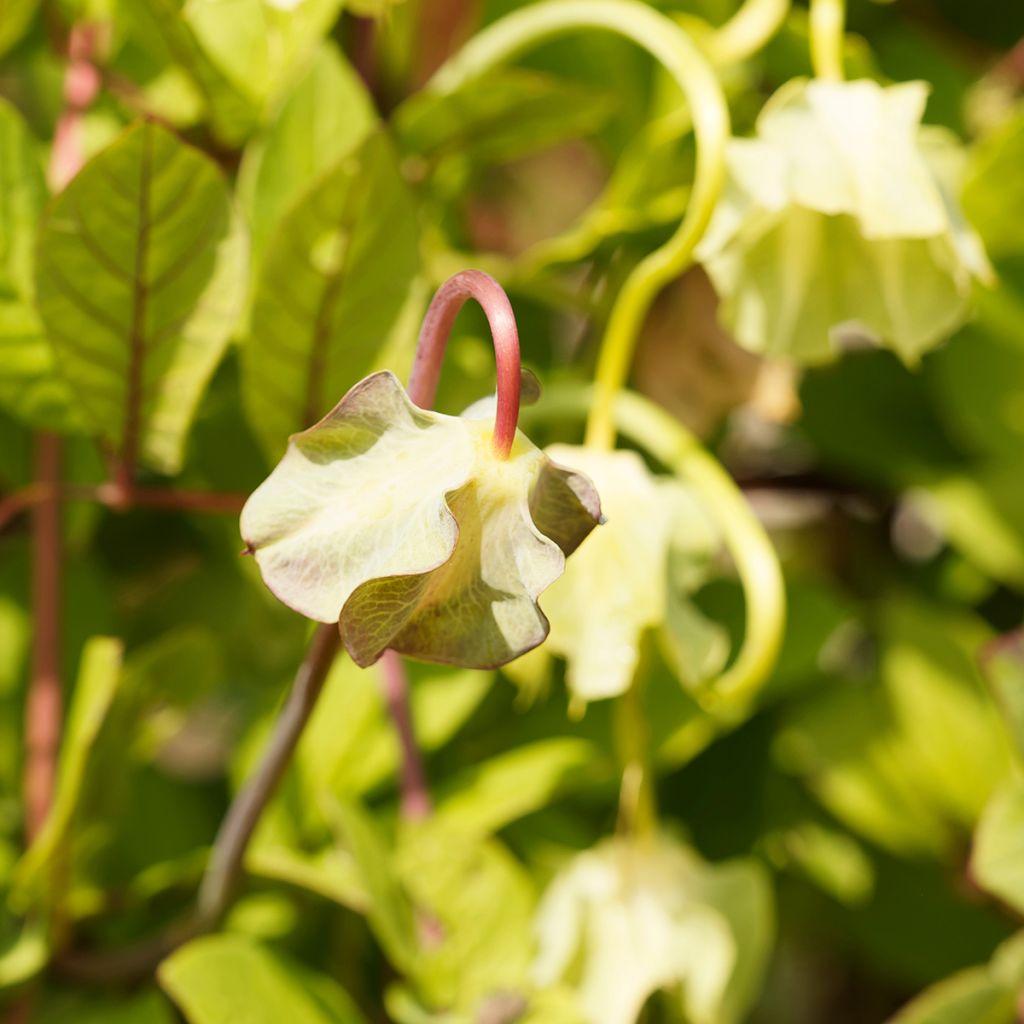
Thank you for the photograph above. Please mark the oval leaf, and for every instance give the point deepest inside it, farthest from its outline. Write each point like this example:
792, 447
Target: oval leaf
139, 282
29, 385
332, 288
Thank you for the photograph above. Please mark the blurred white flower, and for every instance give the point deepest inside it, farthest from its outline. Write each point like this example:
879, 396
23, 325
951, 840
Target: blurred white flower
839, 222
632, 917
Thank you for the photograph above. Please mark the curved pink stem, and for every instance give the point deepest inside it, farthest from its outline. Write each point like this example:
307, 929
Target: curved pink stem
437, 325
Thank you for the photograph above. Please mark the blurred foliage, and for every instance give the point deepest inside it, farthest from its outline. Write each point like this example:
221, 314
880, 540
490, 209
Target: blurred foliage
271, 191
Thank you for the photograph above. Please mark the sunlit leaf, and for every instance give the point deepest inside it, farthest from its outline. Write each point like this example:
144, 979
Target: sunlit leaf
503, 788
997, 860
329, 302
15, 17
977, 995
95, 689
29, 384
231, 110
224, 978
405, 527
839, 222
324, 117
512, 112
140, 279
24, 958
482, 901
911, 760
994, 189
390, 912
1003, 663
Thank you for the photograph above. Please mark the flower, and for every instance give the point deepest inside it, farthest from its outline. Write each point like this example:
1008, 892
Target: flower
406, 528
631, 917
839, 221
619, 584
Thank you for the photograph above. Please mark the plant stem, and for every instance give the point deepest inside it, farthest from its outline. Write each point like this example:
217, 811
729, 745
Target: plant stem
747, 31
637, 804
224, 869
415, 795
43, 703
827, 20
112, 496
433, 339
671, 46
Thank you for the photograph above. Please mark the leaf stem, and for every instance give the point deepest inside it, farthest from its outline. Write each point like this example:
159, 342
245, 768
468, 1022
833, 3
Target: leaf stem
43, 703
672, 47
112, 495
224, 868
415, 795
827, 20
433, 339
747, 31
637, 804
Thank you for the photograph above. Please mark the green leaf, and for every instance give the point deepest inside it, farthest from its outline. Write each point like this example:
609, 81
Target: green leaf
981, 512
994, 192
997, 859
140, 279
332, 292
978, 995
508, 786
25, 958
406, 528
911, 760
15, 17
1003, 664
968, 997
508, 114
29, 385
390, 912
839, 222
323, 118
482, 901
350, 744
167, 33
95, 688
226, 978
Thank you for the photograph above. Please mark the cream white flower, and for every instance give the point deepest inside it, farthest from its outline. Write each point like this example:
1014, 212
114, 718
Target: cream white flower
839, 220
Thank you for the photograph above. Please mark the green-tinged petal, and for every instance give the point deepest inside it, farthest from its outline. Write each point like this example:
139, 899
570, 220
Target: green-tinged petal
839, 223
406, 527
628, 918
614, 588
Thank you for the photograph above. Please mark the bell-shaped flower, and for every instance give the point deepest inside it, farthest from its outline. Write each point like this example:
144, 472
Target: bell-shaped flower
629, 918
405, 527
839, 222
617, 586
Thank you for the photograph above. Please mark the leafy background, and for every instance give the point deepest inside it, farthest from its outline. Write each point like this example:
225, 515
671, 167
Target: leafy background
859, 832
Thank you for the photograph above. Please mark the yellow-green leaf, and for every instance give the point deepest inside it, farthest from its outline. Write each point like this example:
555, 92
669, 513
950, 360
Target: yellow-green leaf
29, 385
333, 284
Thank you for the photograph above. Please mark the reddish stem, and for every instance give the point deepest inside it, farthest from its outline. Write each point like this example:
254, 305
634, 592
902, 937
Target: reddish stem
437, 326
416, 803
43, 702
